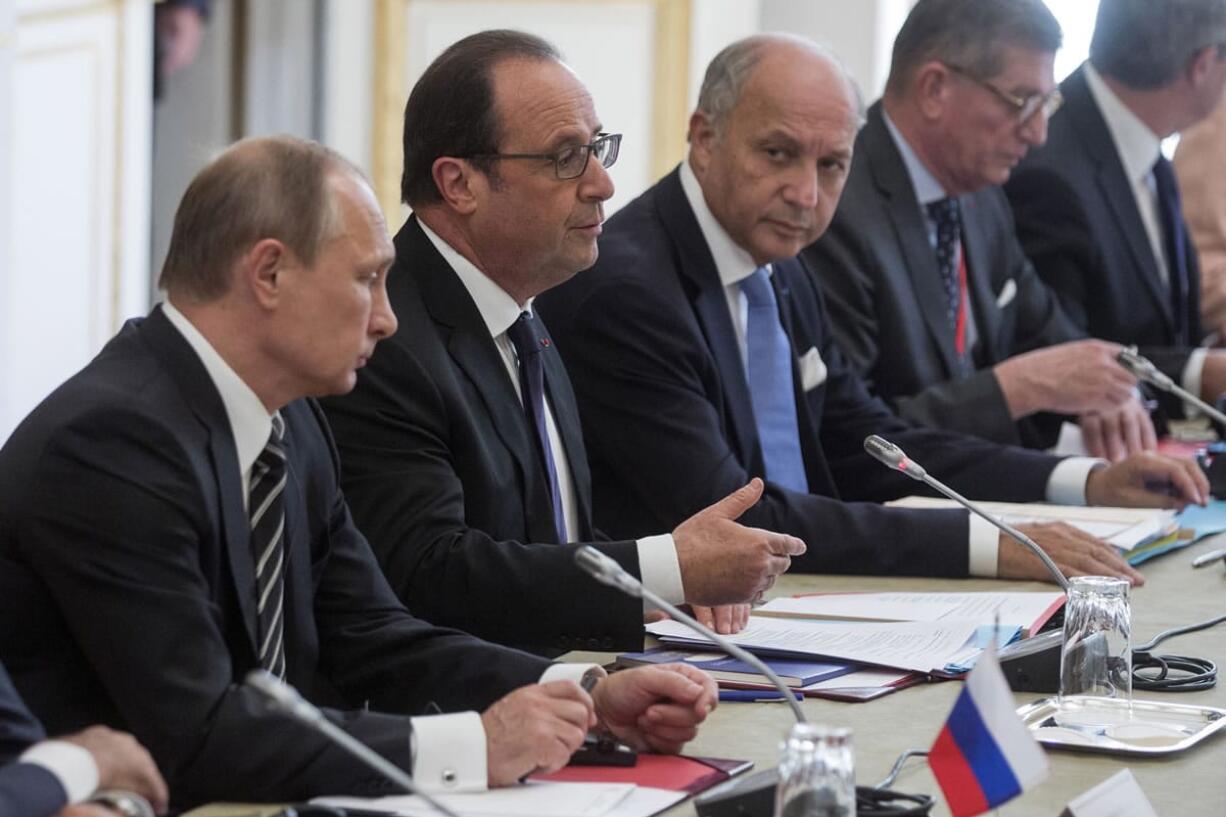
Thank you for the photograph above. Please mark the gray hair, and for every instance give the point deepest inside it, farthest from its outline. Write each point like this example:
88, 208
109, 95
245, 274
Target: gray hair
971, 35
731, 68
1146, 44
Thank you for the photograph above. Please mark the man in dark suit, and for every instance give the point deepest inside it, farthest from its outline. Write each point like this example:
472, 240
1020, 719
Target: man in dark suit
1097, 207
929, 293
468, 475
701, 353
38, 776
171, 519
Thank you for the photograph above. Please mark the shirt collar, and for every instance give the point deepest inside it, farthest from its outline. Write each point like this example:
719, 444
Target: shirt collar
250, 422
1138, 146
498, 309
927, 188
733, 263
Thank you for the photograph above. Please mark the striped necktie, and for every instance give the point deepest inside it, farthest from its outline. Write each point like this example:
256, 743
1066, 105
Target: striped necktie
266, 510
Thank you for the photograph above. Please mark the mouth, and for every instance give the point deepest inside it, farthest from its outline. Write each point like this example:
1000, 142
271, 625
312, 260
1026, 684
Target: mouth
788, 228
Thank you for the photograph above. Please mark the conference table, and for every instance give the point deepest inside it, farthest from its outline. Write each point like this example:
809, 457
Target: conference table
1190, 783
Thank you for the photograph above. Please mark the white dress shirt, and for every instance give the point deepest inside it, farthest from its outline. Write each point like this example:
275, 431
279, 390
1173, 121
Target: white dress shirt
449, 751
72, 765
1138, 148
1065, 485
658, 566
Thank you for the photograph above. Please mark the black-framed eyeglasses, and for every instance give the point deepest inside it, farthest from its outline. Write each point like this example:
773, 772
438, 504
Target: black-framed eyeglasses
571, 161
1023, 107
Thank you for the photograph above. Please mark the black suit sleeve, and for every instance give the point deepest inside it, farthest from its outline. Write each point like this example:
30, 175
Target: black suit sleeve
400, 439
116, 523
641, 374
19, 729
27, 790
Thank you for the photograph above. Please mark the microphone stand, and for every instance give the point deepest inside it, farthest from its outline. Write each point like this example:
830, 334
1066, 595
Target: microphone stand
892, 456
1143, 369
284, 698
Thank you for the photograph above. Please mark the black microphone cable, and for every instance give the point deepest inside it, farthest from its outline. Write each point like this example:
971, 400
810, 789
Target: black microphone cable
1173, 673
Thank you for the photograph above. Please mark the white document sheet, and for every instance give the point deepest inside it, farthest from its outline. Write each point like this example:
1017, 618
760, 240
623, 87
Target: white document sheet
1123, 527
536, 798
922, 646
1013, 608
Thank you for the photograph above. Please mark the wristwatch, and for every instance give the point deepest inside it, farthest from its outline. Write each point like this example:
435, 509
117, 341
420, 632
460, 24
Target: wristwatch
125, 803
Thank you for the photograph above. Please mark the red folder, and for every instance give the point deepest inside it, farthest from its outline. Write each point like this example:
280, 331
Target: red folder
672, 772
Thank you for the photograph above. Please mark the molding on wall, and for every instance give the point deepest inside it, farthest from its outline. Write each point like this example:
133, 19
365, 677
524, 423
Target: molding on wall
671, 58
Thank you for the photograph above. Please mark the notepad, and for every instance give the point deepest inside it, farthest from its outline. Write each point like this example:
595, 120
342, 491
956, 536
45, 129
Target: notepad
531, 799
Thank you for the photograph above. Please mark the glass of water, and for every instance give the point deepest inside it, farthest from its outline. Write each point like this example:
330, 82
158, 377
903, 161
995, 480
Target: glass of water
817, 773
1096, 658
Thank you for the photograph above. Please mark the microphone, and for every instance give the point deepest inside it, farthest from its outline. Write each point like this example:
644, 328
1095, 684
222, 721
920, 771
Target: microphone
606, 571
1143, 369
753, 795
284, 698
892, 456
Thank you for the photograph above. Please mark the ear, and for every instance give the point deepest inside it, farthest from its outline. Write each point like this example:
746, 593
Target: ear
702, 138
932, 86
1201, 65
458, 183
261, 271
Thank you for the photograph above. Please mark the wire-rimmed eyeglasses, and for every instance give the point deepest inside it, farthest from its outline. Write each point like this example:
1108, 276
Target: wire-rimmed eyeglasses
1023, 107
571, 161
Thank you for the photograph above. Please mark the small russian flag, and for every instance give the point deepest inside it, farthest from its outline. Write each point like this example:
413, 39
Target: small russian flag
984, 754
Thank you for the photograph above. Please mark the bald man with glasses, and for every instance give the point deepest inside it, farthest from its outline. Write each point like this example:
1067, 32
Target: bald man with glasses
929, 292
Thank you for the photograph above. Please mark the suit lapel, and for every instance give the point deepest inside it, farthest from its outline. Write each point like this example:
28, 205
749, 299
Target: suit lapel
1116, 189
471, 347
202, 397
979, 280
702, 284
894, 183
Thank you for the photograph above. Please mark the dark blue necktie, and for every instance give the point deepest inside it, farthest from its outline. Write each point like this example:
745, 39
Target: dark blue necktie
769, 366
948, 219
266, 512
530, 340
1171, 215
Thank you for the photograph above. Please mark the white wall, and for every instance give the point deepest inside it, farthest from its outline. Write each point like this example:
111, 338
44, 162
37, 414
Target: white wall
74, 179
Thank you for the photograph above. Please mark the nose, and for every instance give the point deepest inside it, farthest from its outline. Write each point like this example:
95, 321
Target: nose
1034, 130
803, 189
595, 184
383, 321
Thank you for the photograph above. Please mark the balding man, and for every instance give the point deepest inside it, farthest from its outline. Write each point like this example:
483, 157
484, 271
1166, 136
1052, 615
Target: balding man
1098, 207
929, 293
171, 519
701, 353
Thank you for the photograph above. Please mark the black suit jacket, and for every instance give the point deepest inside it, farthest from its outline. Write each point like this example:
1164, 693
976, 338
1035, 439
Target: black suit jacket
26, 790
440, 469
651, 349
127, 593
888, 305
1078, 222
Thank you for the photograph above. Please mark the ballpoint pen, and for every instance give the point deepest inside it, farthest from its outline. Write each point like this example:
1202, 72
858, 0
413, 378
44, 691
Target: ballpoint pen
1207, 558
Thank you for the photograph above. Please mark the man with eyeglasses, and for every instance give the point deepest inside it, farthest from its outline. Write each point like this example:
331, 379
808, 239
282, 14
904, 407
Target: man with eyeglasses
462, 454
929, 293
1098, 207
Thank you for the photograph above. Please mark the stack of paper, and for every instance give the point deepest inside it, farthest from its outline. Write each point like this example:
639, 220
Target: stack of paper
531, 799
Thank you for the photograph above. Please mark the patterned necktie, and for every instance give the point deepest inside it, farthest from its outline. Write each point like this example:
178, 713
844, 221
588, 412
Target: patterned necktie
771, 389
1171, 214
266, 510
948, 219
529, 338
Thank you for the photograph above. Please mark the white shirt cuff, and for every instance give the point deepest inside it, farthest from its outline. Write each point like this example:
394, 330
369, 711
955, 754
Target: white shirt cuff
1067, 483
984, 544
659, 569
1190, 379
71, 764
449, 753
570, 672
